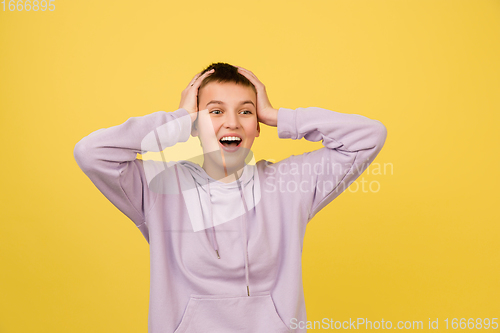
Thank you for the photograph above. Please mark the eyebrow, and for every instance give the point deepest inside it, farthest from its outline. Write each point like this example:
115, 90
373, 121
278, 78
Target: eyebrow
221, 102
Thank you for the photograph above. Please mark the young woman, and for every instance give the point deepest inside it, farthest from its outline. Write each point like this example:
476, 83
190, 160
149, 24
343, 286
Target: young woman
226, 237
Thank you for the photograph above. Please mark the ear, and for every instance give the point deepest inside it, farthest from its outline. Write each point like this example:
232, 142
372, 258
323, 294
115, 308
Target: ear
195, 132
194, 128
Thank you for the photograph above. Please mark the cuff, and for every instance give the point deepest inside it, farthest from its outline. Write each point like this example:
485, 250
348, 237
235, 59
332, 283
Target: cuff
287, 125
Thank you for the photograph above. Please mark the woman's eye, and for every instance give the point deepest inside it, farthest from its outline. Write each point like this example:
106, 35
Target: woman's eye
248, 112
213, 111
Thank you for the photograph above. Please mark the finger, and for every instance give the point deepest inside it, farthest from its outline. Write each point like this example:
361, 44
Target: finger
194, 79
242, 68
252, 78
246, 71
199, 79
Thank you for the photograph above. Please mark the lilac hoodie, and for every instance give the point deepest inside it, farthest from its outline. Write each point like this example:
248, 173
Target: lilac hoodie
226, 257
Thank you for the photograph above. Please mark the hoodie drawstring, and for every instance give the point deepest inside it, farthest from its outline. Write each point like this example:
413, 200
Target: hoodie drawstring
245, 235
214, 240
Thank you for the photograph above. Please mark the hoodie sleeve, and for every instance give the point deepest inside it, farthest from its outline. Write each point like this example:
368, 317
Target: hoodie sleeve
108, 157
351, 143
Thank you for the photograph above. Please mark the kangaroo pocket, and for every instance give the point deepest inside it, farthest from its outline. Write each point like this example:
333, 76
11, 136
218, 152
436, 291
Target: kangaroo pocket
229, 314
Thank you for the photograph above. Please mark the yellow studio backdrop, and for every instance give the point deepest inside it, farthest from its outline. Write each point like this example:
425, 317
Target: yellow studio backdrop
415, 238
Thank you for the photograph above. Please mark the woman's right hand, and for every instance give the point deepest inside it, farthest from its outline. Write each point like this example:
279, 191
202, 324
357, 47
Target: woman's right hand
189, 95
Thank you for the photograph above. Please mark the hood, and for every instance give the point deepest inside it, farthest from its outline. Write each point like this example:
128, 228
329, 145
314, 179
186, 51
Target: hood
211, 202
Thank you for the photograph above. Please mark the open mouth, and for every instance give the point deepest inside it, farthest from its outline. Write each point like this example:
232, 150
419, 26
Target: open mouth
230, 143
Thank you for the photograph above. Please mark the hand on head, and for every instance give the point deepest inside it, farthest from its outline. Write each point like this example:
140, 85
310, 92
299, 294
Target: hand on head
189, 95
266, 114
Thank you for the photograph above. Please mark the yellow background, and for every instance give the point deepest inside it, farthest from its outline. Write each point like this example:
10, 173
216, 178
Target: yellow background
426, 245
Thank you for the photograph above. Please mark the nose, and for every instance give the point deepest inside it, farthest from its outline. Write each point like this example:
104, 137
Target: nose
231, 120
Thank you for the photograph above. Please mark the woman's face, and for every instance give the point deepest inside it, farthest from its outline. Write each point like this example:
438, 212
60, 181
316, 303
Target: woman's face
227, 110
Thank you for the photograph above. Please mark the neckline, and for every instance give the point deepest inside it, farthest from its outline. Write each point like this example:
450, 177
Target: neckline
243, 177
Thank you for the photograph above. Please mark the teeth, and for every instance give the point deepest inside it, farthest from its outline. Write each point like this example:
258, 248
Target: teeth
230, 138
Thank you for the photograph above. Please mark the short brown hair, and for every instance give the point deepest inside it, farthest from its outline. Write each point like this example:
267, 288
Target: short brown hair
224, 72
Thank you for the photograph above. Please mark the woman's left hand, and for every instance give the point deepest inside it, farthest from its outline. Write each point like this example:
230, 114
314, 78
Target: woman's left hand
266, 114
